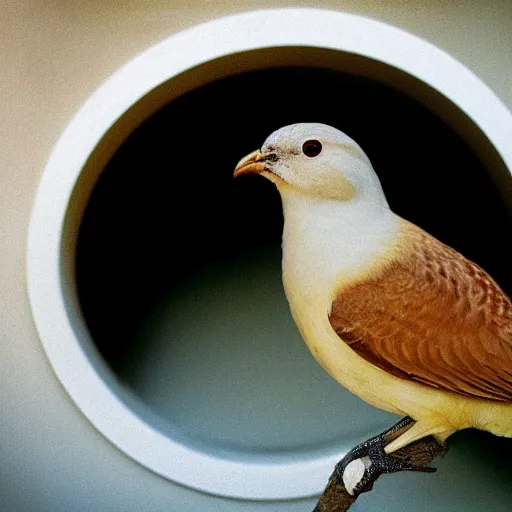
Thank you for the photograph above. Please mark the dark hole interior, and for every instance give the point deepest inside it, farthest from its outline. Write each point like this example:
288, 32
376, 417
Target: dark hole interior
166, 207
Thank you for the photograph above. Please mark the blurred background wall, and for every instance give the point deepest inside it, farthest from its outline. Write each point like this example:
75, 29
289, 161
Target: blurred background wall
53, 55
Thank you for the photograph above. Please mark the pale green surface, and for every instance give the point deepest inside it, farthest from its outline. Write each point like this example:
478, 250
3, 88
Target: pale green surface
221, 359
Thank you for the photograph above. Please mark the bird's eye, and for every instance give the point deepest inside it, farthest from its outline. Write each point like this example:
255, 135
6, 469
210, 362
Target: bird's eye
312, 148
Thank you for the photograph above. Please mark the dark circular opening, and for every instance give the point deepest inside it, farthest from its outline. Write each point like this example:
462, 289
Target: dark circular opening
178, 265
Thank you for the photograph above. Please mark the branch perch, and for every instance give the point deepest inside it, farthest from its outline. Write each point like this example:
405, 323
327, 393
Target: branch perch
336, 498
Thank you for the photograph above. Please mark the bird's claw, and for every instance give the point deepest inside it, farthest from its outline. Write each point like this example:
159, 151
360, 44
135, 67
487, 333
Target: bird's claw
375, 470
363, 465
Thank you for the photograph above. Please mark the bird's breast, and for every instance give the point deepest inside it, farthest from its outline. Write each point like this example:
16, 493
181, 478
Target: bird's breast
321, 255
317, 262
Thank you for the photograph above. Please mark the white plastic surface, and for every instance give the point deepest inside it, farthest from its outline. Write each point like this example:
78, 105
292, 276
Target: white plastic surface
222, 37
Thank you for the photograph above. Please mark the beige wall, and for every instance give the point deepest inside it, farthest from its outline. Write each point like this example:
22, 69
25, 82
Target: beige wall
53, 55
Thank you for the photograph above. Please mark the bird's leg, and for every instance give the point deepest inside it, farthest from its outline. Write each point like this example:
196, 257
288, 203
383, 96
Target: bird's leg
361, 467
383, 438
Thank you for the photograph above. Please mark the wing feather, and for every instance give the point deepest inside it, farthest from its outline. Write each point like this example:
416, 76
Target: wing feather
432, 316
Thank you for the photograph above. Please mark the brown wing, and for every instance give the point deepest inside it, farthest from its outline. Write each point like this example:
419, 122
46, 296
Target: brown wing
431, 316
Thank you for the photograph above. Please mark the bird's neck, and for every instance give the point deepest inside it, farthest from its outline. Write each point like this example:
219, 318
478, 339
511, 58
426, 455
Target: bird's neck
326, 243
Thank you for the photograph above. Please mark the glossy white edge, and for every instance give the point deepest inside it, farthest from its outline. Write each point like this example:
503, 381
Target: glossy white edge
248, 31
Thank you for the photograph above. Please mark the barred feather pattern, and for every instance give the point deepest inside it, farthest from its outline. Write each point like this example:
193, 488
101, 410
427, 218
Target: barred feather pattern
432, 316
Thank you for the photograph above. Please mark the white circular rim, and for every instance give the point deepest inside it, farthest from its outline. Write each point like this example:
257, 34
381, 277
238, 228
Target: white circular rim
181, 52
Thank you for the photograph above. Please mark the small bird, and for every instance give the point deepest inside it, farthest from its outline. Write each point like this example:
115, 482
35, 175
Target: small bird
400, 319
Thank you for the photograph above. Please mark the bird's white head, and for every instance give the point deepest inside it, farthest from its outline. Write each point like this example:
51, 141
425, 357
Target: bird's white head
316, 160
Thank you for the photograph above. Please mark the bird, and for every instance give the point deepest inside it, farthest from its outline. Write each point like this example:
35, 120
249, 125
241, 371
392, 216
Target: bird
393, 314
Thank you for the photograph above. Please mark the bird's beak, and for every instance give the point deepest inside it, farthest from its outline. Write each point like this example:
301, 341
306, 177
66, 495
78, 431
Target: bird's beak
253, 163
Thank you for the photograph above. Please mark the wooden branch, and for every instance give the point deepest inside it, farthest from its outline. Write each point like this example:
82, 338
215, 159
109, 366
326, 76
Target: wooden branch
336, 498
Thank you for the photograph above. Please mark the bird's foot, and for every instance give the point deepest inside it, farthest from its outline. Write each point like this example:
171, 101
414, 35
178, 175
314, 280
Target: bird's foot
361, 467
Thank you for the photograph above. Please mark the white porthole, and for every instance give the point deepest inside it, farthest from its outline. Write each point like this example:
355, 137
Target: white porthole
249, 42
